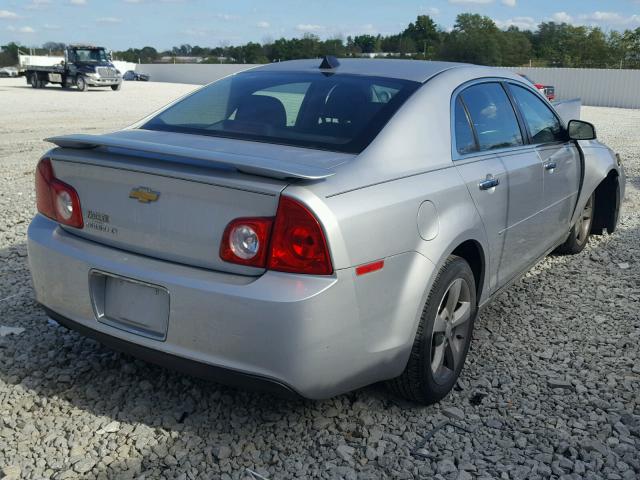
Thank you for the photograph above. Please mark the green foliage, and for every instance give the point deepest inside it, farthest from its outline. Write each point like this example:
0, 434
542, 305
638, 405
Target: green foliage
367, 43
9, 54
423, 30
625, 48
563, 45
474, 39
135, 55
402, 44
516, 47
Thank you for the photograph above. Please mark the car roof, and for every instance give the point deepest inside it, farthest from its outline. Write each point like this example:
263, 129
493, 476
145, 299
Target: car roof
414, 70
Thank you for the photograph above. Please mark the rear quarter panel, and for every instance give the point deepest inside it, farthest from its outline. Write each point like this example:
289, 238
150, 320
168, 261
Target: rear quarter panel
382, 222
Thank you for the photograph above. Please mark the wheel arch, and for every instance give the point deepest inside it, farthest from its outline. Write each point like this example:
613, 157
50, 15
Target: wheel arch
607, 204
472, 252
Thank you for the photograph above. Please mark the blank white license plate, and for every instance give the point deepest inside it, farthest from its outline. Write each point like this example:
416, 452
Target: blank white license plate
130, 305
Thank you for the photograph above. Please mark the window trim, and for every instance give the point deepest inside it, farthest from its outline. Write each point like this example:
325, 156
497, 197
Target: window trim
524, 130
458, 157
474, 134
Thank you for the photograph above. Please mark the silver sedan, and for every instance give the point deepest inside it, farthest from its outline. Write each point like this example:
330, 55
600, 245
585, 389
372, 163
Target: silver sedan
311, 227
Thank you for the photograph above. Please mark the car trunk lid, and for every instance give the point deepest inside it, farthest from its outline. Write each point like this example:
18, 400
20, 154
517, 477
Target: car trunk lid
264, 159
172, 201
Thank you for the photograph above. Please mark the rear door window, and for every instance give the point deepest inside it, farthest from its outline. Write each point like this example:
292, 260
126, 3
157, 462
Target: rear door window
543, 125
493, 117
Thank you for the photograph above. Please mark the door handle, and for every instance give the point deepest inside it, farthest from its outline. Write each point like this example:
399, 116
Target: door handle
489, 183
550, 166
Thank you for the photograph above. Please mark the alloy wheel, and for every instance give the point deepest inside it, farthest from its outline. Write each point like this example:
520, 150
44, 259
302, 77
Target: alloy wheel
583, 225
450, 331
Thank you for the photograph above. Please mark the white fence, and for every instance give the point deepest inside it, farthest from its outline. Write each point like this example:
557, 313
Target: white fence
124, 66
195, 73
596, 87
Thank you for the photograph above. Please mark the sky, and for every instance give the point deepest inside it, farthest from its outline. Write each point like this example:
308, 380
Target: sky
121, 24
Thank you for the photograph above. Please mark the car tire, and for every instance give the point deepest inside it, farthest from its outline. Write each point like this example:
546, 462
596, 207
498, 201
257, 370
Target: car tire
443, 337
116, 87
34, 81
580, 232
81, 83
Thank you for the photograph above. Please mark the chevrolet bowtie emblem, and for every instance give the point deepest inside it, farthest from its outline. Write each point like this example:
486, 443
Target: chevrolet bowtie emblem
144, 194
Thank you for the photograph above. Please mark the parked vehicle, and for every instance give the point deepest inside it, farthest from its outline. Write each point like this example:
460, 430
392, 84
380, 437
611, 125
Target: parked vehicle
8, 72
130, 75
316, 228
546, 90
83, 67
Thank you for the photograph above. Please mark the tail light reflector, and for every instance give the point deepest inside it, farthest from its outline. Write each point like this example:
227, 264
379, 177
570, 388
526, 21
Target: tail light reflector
246, 241
56, 199
293, 242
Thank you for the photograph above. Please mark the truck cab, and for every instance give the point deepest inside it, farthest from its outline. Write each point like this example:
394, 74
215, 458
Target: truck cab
83, 66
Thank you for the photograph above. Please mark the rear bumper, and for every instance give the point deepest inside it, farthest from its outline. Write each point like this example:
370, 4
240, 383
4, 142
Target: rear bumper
316, 336
180, 364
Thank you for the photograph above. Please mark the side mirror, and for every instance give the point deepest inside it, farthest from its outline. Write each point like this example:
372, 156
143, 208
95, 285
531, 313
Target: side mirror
579, 130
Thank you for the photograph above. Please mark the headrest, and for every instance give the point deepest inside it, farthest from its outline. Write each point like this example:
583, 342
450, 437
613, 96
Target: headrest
262, 109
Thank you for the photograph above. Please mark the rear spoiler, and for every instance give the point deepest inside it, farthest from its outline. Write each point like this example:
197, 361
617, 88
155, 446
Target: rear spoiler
265, 167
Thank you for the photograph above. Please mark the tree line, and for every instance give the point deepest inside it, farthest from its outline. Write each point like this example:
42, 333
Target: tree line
473, 39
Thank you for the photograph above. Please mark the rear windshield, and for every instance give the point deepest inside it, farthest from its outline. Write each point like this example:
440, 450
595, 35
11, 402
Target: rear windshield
316, 110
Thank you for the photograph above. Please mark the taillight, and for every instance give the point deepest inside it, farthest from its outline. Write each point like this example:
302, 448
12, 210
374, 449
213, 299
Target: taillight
56, 199
293, 242
298, 244
245, 241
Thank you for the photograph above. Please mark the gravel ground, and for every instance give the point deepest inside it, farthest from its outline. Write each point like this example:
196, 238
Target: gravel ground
550, 389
